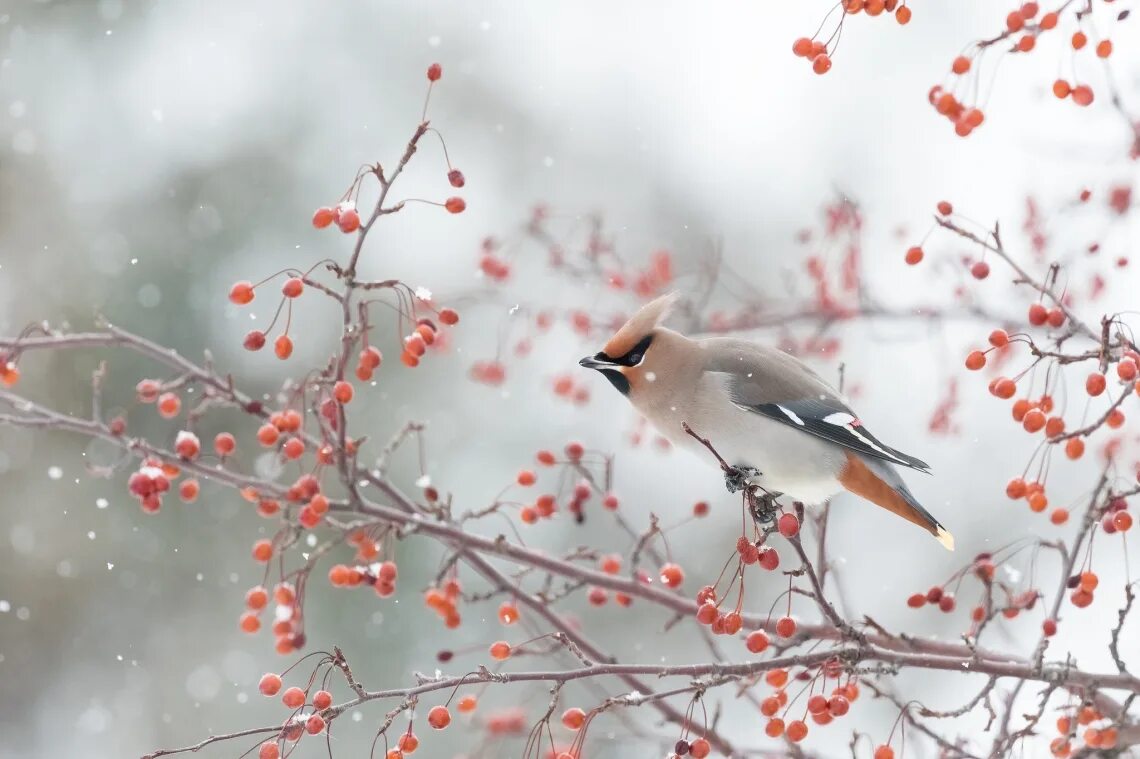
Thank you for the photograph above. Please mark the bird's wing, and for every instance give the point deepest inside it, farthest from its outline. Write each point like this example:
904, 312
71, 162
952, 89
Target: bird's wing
774, 384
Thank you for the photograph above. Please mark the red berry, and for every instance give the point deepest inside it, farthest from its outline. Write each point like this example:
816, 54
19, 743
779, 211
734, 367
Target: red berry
408, 742
785, 627
186, 445
348, 220
508, 613
268, 435
294, 448
914, 255
224, 444
455, 205
269, 750
343, 392
322, 700
700, 748
254, 340
975, 360
322, 217
574, 718
241, 293
294, 698
1037, 314
256, 598
821, 64
1005, 388
439, 717
707, 613
980, 270
448, 316
796, 731
916, 601
756, 641
672, 575
884, 752
1033, 421
283, 347
270, 684
188, 491
262, 551
315, 725
1082, 95
456, 178
1095, 384
169, 404
434, 72
788, 525
293, 287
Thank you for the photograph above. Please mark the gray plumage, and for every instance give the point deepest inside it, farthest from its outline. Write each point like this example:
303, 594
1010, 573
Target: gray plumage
761, 408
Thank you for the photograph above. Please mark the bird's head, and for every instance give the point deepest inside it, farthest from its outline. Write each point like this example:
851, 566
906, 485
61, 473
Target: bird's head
631, 356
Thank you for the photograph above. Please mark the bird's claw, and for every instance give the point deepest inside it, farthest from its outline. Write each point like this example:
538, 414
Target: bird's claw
737, 478
762, 506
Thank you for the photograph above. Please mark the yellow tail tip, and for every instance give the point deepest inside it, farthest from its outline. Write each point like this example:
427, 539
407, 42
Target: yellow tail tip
946, 539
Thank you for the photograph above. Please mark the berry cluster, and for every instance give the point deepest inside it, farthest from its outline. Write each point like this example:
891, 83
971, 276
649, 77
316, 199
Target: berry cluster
444, 601
1023, 26
1102, 735
823, 707
817, 52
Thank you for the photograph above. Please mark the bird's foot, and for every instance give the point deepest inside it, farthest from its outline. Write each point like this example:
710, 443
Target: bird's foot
736, 478
762, 506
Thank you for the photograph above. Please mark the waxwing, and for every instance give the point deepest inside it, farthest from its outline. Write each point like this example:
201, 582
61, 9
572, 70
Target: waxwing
763, 410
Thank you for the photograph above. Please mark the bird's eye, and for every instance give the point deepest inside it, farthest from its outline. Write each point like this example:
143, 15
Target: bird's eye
635, 359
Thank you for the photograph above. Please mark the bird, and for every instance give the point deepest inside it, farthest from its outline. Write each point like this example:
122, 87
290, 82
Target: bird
776, 422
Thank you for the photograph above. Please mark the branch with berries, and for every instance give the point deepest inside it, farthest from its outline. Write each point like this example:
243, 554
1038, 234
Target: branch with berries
345, 518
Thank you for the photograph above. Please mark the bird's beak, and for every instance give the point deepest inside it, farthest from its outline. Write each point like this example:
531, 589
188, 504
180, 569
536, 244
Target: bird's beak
590, 362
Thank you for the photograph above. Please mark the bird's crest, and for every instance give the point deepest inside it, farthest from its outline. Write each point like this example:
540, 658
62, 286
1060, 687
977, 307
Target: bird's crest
641, 324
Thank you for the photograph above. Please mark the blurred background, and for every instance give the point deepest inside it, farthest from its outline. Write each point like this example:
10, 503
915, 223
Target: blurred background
151, 153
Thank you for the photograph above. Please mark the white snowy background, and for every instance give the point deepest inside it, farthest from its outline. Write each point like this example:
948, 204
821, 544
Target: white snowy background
153, 152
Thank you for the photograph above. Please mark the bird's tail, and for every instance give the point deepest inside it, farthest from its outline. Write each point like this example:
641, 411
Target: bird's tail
880, 484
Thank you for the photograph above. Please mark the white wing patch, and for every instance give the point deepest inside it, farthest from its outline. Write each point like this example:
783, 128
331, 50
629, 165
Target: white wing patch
851, 424
792, 415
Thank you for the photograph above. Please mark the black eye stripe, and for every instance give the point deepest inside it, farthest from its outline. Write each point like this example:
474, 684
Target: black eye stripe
632, 358
635, 354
